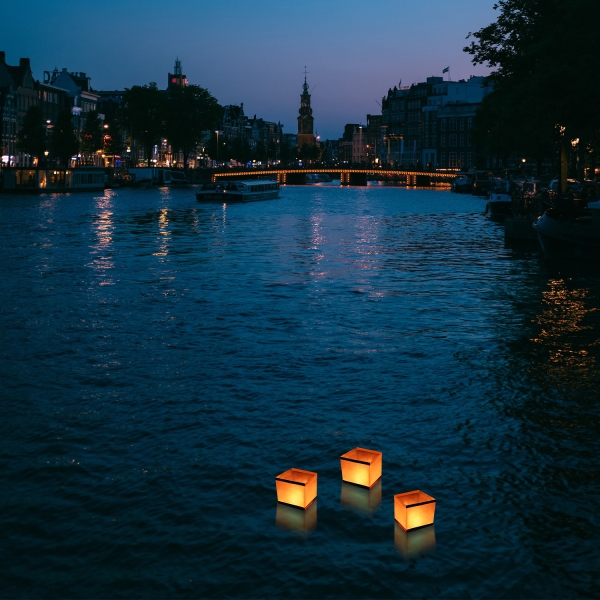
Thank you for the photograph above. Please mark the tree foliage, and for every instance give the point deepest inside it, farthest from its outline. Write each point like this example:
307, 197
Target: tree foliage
91, 136
142, 114
543, 54
63, 142
189, 112
31, 138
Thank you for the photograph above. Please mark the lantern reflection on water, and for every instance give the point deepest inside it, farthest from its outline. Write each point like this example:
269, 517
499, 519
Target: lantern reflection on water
414, 543
295, 519
361, 467
296, 487
360, 499
414, 509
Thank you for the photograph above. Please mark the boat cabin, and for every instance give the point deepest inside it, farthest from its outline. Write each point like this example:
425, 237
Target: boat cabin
41, 180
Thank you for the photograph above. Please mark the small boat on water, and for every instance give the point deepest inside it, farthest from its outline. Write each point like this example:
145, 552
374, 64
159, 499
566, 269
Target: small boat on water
499, 204
238, 191
462, 184
318, 178
565, 236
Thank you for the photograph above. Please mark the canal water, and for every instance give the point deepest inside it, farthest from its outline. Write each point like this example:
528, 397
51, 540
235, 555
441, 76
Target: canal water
162, 361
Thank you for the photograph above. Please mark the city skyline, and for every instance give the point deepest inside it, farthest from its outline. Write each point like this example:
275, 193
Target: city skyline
255, 54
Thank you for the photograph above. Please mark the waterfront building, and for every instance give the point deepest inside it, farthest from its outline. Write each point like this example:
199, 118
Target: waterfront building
18, 92
373, 147
81, 97
306, 135
427, 125
346, 144
233, 124
359, 145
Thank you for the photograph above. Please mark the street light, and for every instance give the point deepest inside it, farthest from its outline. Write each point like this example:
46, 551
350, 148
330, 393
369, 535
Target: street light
217, 132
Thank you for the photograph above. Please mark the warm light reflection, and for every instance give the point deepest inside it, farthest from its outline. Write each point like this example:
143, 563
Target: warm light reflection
296, 487
414, 543
295, 519
361, 499
563, 321
104, 227
163, 230
414, 509
361, 466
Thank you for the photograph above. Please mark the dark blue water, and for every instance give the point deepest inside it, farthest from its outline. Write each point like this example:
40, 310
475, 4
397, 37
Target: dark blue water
162, 361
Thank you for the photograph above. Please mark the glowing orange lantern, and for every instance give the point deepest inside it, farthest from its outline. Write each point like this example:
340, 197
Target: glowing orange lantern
361, 467
414, 509
296, 487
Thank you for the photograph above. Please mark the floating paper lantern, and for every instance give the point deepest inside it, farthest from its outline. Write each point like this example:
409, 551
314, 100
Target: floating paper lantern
413, 543
414, 509
361, 467
361, 499
295, 519
296, 487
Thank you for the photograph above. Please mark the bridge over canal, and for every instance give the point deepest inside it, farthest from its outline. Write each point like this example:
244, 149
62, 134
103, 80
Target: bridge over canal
346, 176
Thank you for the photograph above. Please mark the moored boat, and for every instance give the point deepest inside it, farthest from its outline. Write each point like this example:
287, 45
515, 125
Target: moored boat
462, 184
564, 236
499, 204
238, 191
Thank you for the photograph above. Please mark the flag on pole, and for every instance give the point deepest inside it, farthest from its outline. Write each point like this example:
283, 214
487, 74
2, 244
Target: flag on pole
446, 70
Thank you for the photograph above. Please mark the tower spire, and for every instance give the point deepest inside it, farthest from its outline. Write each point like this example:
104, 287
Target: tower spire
305, 118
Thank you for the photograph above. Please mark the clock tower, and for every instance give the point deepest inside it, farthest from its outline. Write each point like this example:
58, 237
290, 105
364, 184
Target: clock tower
305, 118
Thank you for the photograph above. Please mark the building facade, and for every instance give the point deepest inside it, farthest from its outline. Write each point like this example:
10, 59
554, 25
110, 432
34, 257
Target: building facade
18, 92
428, 125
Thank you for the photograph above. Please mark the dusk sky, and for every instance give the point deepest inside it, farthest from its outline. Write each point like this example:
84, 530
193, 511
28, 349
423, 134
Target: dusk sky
253, 52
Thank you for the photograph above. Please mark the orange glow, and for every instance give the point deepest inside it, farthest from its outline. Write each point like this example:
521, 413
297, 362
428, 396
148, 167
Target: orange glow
296, 519
414, 543
360, 499
361, 467
414, 509
296, 487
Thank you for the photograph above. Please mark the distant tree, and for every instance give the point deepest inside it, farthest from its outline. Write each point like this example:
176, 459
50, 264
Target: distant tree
92, 138
309, 153
240, 150
63, 142
113, 139
31, 138
142, 112
222, 152
190, 111
287, 152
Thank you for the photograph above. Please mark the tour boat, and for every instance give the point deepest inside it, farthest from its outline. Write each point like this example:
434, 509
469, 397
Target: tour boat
239, 191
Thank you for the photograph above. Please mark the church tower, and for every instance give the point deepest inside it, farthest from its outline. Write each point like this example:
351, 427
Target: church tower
305, 118
177, 79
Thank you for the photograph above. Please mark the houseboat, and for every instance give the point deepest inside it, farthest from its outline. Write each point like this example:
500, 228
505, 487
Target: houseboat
35, 180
